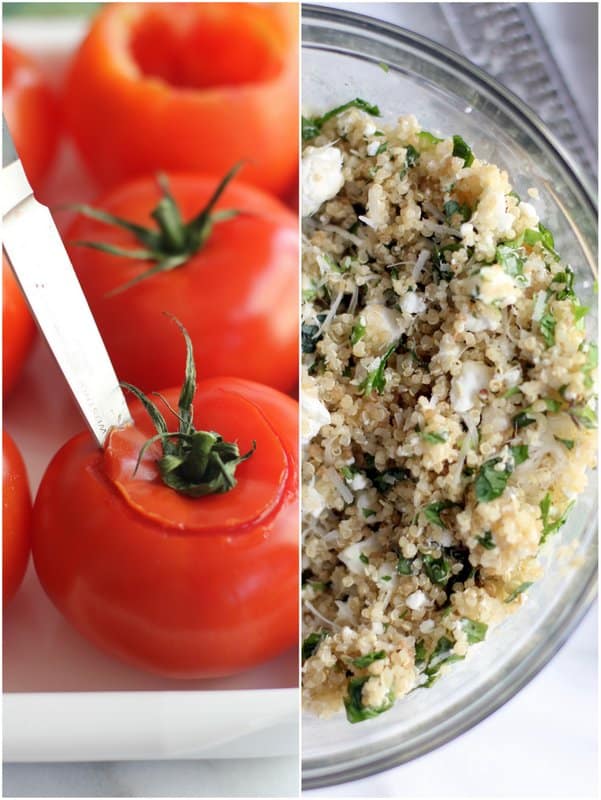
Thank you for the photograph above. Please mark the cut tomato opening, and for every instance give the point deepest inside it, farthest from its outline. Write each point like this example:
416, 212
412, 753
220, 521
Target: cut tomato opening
210, 46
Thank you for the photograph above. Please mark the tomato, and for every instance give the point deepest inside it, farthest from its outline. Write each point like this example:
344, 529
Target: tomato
16, 515
18, 328
237, 295
30, 109
188, 86
188, 587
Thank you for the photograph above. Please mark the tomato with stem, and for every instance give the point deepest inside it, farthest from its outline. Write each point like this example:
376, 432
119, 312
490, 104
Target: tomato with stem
16, 515
188, 86
176, 548
222, 256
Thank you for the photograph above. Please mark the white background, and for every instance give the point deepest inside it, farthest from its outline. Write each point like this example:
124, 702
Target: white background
541, 744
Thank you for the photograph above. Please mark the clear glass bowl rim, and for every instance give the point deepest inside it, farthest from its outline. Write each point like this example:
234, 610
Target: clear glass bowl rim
316, 775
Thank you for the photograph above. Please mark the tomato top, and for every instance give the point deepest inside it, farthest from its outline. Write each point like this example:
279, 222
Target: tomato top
261, 480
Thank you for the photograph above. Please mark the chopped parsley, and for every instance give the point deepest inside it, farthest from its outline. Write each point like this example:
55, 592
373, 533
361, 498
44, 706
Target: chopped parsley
509, 258
486, 540
353, 702
376, 380
568, 443
491, 482
547, 325
311, 126
542, 235
519, 453
434, 438
403, 566
433, 510
517, 592
585, 416
442, 654
551, 526
312, 642
364, 661
358, 332
522, 420
475, 631
462, 150
368, 512
437, 569
363, 558
412, 156
383, 66
426, 138
452, 207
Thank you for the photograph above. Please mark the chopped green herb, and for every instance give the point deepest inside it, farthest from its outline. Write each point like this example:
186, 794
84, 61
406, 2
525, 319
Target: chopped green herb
363, 558
439, 266
475, 631
547, 328
542, 235
462, 150
516, 592
486, 540
437, 569
579, 312
452, 207
312, 642
512, 391
311, 127
522, 420
519, 453
364, 661
368, 512
509, 258
383, 481
551, 526
432, 512
516, 196
554, 406
491, 482
412, 156
358, 332
566, 277
420, 653
403, 566
427, 138
382, 148
376, 380
442, 654
386, 578
569, 443
585, 416
353, 702
318, 366
383, 66
434, 438
308, 337
591, 364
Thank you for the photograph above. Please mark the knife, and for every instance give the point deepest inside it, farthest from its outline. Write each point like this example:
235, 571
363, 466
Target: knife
42, 267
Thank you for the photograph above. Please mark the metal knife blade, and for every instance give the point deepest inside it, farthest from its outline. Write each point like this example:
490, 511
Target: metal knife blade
43, 269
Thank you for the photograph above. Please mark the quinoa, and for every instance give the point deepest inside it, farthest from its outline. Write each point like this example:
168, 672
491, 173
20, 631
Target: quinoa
448, 407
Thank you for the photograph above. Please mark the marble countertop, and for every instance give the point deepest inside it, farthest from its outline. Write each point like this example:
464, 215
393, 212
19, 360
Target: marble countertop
547, 733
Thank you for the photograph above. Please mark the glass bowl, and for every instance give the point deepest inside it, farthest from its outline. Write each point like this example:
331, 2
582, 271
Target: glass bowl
345, 56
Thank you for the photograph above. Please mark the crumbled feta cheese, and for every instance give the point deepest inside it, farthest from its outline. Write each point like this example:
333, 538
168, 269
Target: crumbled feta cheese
412, 303
314, 413
427, 626
497, 286
373, 147
358, 482
465, 386
322, 177
378, 214
383, 326
416, 600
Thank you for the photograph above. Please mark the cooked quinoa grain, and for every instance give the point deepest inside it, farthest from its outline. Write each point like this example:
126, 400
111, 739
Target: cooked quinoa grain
447, 406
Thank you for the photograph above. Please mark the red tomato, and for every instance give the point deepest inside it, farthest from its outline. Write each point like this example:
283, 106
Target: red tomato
188, 86
16, 515
18, 328
30, 110
185, 587
237, 296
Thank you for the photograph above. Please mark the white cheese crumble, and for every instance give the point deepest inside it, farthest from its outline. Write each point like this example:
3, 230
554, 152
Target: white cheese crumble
322, 177
465, 386
314, 413
497, 286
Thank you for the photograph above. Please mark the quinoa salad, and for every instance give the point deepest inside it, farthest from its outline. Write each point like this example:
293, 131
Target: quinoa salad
448, 404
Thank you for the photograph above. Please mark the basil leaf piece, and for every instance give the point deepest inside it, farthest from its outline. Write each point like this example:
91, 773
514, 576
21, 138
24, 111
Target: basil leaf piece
311, 127
403, 566
432, 512
520, 454
437, 569
376, 380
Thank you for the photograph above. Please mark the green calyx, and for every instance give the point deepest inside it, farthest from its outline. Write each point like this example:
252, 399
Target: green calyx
194, 463
173, 242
